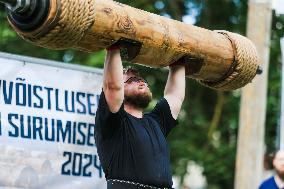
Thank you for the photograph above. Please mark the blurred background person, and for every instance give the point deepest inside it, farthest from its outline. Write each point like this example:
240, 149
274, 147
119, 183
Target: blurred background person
276, 181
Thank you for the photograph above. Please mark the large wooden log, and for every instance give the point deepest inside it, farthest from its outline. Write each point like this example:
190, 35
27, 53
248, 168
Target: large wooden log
213, 57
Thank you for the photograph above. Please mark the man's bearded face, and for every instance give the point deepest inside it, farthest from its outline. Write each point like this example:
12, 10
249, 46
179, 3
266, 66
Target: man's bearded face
278, 164
136, 91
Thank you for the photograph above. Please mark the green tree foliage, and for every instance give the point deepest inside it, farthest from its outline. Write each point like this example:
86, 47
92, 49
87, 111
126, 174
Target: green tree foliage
207, 133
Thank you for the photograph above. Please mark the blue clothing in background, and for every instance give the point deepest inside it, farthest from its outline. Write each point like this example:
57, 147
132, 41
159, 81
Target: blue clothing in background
269, 184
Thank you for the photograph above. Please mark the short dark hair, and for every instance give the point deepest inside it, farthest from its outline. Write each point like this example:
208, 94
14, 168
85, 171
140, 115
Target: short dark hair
131, 70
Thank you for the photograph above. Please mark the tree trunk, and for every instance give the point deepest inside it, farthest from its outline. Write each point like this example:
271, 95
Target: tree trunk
250, 150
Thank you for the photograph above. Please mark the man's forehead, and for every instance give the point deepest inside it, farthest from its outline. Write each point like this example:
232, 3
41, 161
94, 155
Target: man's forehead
280, 154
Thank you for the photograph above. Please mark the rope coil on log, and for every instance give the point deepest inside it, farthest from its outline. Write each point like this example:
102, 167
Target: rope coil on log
244, 68
79, 15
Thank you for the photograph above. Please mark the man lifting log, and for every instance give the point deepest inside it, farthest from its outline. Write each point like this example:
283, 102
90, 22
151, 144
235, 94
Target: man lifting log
131, 145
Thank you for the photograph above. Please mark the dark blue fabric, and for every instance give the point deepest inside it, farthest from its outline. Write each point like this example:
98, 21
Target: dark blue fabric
135, 149
269, 184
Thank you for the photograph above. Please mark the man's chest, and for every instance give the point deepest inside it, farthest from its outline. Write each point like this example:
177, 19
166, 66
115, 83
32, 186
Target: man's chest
147, 137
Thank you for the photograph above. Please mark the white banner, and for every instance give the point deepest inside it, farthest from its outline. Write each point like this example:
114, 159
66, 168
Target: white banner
47, 122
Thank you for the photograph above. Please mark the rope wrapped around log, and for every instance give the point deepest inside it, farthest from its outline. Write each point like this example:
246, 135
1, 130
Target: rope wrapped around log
220, 60
244, 67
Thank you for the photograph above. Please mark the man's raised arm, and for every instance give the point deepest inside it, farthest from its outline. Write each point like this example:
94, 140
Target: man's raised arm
175, 89
113, 79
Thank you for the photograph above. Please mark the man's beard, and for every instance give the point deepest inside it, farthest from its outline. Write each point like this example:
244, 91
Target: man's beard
280, 174
140, 100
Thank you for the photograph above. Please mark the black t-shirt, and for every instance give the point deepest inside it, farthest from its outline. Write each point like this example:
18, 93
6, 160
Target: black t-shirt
135, 149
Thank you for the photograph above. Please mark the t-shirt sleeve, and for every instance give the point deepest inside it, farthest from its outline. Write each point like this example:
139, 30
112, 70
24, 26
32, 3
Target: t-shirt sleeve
162, 113
108, 123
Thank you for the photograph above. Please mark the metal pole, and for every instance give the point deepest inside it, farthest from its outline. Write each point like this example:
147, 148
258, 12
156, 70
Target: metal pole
282, 99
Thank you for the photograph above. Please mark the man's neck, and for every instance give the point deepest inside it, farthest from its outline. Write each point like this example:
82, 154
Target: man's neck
133, 111
279, 181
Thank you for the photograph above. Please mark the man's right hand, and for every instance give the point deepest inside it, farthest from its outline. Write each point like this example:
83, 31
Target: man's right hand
113, 47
